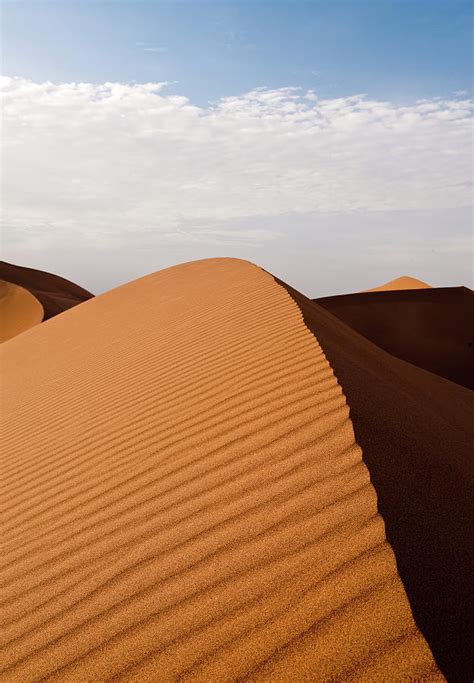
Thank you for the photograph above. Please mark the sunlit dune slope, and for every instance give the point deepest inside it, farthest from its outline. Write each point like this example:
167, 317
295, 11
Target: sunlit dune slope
432, 328
56, 294
183, 496
403, 282
19, 310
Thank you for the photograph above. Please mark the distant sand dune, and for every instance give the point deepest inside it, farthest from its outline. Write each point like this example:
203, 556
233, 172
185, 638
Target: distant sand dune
19, 310
403, 282
432, 328
56, 294
183, 497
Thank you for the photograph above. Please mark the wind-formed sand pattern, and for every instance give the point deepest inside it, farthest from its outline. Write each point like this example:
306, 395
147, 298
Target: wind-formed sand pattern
183, 497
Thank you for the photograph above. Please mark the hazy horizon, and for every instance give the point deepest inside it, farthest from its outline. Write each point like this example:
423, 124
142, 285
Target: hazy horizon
329, 143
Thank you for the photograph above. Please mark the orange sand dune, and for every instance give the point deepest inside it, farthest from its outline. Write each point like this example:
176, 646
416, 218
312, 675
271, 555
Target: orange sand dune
56, 294
403, 282
183, 496
19, 310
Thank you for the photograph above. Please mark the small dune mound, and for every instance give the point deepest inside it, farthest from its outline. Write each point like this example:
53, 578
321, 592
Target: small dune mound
19, 310
403, 282
56, 294
184, 499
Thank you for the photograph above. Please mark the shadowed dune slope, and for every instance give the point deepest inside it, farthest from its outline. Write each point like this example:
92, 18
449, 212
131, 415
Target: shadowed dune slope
403, 282
183, 496
53, 292
19, 310
431, 328
416, 431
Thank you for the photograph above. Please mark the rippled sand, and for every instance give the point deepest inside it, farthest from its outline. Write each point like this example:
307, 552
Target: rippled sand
183, 496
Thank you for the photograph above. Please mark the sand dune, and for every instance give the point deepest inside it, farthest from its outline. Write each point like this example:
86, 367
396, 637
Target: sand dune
416, 431
19, 310
432, 328
183, 496
53, 292
403, 282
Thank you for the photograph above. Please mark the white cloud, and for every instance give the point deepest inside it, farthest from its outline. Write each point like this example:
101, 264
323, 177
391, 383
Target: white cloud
108, 161
149, 47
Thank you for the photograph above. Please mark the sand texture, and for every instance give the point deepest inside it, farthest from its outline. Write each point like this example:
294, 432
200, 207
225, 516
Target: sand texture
431, 328
19, 310
56, 294
403, 282
416, 431
183, 497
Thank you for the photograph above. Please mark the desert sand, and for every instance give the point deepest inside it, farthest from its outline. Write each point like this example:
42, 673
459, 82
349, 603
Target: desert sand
432, 328
416, 431
56, 294
403, 282
183, 495
19, 310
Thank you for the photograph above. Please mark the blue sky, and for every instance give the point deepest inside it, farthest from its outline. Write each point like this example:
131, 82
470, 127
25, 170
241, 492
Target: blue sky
398, 50
328, 141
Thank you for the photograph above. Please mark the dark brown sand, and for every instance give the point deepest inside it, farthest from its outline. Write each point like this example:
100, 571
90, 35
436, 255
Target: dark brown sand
53, 292
19, 310
431, 328
416, 431
183, 497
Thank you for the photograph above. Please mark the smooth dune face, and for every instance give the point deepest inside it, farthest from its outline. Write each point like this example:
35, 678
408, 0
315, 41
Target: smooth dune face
19, 310
183, 496
403, 282
430, 327
54, 293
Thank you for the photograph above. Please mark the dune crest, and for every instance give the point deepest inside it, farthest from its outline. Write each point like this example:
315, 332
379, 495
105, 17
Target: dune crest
19, 310
414, 427
403, 282
183, 496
